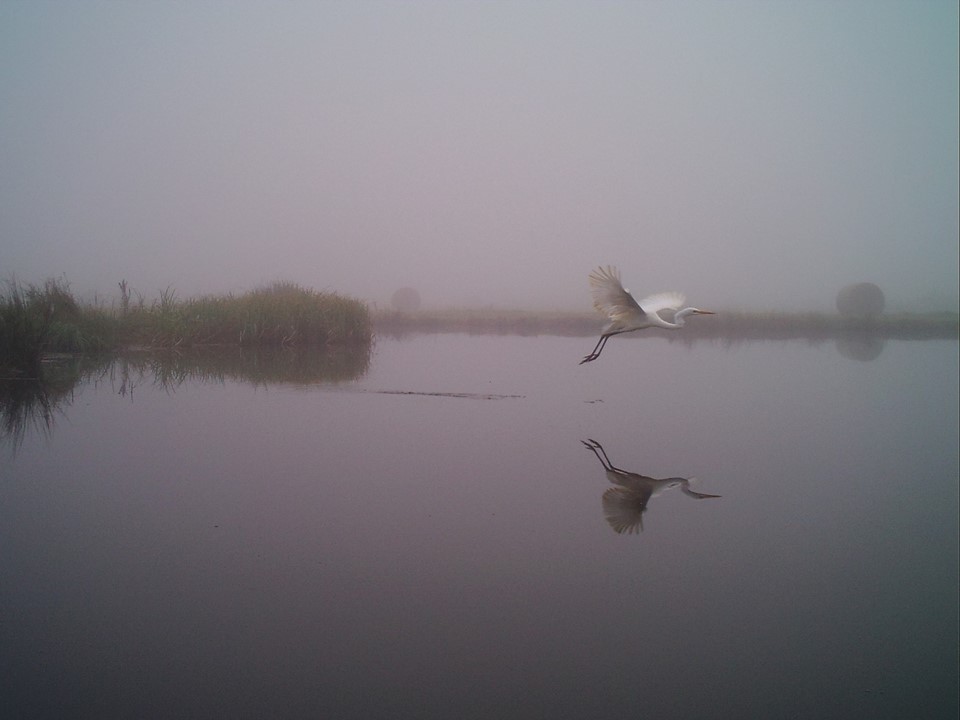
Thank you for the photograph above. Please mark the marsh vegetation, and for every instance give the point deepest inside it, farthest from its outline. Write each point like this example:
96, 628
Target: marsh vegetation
39, 320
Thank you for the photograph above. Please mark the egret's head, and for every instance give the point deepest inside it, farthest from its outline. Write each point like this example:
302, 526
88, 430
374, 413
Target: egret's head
679, 317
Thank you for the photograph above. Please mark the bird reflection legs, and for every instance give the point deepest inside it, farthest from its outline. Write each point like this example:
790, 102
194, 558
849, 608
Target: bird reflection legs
601, 454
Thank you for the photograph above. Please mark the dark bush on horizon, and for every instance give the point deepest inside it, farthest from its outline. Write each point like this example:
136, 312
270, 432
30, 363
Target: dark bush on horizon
860, 300
406, 299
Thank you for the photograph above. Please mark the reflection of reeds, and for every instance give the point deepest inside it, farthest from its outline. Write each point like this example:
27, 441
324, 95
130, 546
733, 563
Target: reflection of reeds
727, 326
25, 404
258, 366
33, 403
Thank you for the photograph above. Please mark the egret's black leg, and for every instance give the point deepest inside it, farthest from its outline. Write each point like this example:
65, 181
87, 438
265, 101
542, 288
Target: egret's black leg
597, 349
603, 345
593, 355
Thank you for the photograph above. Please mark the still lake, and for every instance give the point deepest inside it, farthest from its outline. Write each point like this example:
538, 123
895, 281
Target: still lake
430, 539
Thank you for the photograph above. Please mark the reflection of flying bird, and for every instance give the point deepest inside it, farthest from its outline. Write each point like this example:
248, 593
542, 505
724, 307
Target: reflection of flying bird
626, 314
625, 504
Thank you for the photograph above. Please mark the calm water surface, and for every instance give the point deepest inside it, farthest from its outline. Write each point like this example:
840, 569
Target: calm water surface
222, 549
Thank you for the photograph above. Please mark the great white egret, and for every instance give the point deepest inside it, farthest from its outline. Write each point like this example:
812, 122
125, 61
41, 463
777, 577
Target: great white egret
625, 504
626, 314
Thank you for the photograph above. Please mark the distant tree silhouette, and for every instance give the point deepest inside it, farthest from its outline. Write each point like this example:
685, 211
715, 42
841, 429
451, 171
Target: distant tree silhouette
861, 300
406, 299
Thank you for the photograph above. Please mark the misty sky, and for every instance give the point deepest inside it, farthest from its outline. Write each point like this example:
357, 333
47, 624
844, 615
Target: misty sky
751, 154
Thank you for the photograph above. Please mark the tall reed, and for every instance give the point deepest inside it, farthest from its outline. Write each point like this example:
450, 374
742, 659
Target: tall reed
23, 329
38, 319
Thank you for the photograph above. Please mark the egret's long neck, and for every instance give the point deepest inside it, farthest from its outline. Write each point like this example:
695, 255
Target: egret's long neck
678, 319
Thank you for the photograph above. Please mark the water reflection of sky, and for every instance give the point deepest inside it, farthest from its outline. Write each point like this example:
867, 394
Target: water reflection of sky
245, 550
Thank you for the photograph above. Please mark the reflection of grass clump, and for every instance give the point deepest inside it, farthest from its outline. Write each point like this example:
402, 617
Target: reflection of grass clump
34, 402
258, 366
25, 403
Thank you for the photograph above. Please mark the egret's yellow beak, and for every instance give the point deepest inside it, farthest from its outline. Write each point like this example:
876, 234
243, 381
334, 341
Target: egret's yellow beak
703, 312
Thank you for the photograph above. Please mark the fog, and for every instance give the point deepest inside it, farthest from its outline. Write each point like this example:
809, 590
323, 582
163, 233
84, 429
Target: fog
754, 155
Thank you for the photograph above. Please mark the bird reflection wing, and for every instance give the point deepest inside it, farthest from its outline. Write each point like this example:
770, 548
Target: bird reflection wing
610, 297
624, 509
663, 301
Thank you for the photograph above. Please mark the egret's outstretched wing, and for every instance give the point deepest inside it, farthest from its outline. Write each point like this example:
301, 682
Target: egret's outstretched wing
663, 301
610, 297
624, 509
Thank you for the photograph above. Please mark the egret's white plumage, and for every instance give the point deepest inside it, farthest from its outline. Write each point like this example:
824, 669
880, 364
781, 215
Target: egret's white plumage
624, 505
625, 314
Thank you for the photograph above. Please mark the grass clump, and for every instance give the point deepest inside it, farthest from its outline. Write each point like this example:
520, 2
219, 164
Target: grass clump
35, 320
38, 320
282, 315
287, 314
23, 328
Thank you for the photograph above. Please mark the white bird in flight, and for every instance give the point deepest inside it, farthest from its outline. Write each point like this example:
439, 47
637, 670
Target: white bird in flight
625, 504
626, 314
